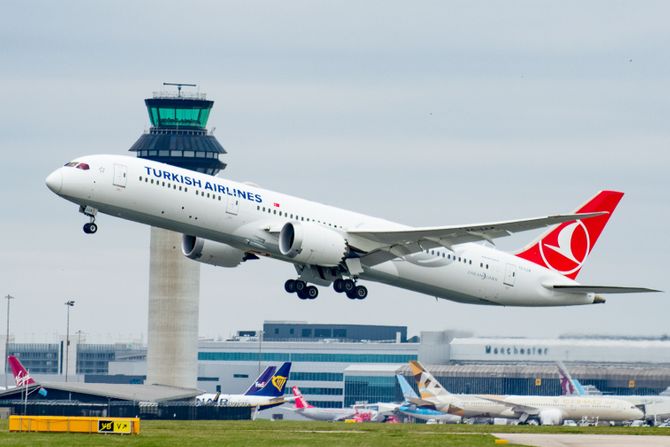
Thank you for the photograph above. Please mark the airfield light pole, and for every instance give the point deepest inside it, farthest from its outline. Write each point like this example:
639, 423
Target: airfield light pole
260, 349
69, 305
8, 298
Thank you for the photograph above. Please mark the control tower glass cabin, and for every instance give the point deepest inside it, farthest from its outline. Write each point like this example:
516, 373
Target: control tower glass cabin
178, 135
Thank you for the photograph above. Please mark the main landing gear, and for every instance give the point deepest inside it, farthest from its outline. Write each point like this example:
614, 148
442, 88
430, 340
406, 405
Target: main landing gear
307, 292
301, 288
349, 287
91, 227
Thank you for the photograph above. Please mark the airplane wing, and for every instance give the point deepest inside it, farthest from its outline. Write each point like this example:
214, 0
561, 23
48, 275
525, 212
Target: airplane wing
515, 407
382, 245
568, 288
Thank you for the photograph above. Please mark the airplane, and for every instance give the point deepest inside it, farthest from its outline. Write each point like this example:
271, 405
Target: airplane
547, 410
422, 413
267, 394
261, 381
225, 223
655, 407
378, 412
22, 376
304, 408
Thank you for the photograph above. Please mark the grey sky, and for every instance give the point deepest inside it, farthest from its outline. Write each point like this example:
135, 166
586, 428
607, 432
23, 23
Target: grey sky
426, 113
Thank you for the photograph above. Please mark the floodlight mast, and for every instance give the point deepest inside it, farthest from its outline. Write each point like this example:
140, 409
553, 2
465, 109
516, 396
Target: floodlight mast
179, 85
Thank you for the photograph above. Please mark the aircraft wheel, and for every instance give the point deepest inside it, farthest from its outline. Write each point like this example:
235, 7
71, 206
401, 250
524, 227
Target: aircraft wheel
302, 294
300, 285
311, 292
361, 292
289, 286
351, 294
348, 285
90, 228
338, 285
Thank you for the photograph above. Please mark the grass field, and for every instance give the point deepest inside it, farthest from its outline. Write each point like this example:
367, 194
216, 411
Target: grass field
291, 433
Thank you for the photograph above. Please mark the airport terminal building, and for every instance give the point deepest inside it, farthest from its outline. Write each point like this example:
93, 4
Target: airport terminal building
336, 365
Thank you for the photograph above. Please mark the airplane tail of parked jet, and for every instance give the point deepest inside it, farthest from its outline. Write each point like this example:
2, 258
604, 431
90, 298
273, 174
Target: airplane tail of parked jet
429, 387
21, 375
565, 247
569, 386
407, 391
261, 381
275, 386
300, 401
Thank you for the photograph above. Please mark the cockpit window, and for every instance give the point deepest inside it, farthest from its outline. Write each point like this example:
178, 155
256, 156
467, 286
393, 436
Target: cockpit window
76, 164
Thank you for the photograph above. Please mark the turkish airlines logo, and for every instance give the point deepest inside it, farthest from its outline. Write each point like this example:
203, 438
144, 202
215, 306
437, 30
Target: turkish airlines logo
279, 382
566, 251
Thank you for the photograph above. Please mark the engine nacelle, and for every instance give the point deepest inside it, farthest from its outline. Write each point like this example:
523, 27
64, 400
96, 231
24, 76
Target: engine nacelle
312, 244
210, 252
551, 416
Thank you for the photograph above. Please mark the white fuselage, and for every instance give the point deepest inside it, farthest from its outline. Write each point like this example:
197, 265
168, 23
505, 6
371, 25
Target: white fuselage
563, 407
247, 217
238, 400
326, 414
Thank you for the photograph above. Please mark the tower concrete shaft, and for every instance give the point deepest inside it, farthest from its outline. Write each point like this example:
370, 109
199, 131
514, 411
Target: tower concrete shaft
174, 291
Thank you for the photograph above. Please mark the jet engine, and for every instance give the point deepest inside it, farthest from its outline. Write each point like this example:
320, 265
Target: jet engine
210, 252
312, 244
551, 416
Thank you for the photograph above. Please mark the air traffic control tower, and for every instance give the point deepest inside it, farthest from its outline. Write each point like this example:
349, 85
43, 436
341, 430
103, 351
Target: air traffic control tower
178, 136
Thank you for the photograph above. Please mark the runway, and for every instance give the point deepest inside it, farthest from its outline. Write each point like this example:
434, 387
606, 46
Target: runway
579, 440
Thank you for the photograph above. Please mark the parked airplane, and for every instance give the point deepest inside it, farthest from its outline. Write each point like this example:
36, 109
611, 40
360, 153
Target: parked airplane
22, 376
261, 381
304, 408
547, 410
226, 223
264, 397
418, 412
655, 407
377, 412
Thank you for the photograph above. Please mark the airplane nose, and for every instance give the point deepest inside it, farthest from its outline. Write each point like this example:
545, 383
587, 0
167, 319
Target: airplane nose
55, 181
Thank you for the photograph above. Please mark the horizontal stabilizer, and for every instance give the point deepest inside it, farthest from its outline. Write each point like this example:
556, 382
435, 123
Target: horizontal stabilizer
568, 288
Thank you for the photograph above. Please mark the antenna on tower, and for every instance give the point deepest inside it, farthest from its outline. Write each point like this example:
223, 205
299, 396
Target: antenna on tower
179, 85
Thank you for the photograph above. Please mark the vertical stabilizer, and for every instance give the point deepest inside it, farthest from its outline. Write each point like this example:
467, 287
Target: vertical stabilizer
565, 247
300, 402
428, 385
21, 375
276, 384
261, 381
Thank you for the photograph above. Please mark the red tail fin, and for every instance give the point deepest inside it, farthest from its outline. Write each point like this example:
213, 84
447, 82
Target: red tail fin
300, 401
565, 248
21, 375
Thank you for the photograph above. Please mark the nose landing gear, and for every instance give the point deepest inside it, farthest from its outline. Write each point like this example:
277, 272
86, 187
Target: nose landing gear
91, 227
